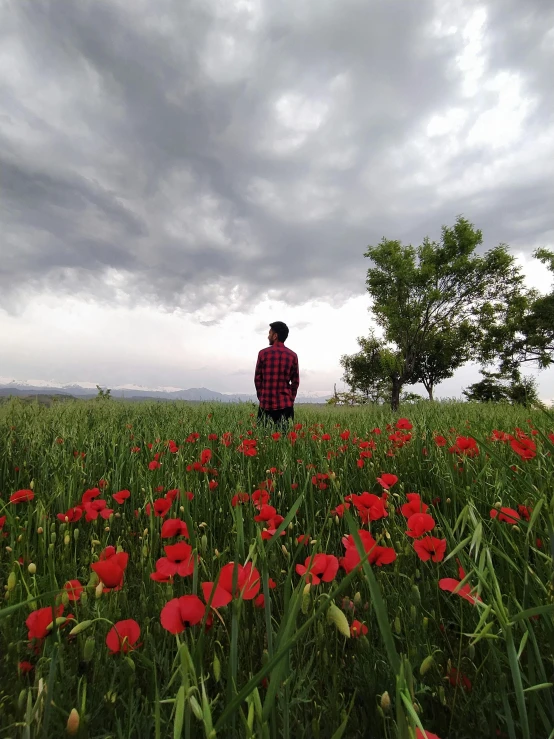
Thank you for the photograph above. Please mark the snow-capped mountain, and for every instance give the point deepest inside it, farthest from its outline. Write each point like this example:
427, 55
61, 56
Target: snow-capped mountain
10, 386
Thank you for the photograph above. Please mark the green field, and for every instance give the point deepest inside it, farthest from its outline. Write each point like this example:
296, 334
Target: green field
381, 643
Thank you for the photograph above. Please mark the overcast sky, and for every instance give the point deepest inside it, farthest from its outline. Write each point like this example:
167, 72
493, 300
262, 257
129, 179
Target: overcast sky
175, 175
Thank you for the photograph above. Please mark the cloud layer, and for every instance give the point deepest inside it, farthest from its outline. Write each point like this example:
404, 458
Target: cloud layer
210, 154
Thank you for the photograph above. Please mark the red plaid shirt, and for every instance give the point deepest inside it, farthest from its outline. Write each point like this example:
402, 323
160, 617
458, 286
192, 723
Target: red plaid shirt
276, 377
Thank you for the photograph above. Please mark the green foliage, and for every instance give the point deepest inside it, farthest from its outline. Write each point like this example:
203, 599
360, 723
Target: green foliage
522, 331
430, 301
103, 393
283, 670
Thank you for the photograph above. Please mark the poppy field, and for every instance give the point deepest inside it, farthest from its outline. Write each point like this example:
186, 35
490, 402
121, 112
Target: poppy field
173, 570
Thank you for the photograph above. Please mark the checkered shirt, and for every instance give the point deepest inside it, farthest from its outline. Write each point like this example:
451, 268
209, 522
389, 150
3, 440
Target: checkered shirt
277, 377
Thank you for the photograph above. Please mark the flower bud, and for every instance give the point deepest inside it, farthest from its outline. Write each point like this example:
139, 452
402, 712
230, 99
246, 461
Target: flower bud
385, 701
216, 668
98, 590
426, 665
66, 540
65, 598
53, 537
32, 568
12, 581
40, 530
76, 534
32, 484
73, 722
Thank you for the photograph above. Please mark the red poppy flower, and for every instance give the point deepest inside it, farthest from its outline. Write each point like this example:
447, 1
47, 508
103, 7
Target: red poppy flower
179, 561
121, 496
2, 521
73, 588
174, 527
38, 621
259, 601
90, 495
72, 514
345, 435
339, 510
403, 423
247, 583
239, 498
123, 636
25, 667
97, 508
430, 548
420, 524
387, 480
303, 539
525, 448
205, 456
370, 507
465, 445
427, 735
22, 496
523, 511
267, 512
455, 677
161, 507
260, 498
377, 555
508, 515
357, 629
154, 465
177, 614
111, 569
414, 505
440, 440
321, 567
452, 585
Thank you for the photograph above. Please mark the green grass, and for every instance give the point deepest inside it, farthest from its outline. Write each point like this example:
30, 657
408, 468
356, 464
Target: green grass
285, 669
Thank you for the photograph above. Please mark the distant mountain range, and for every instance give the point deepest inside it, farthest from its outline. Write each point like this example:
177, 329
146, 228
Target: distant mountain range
86, 390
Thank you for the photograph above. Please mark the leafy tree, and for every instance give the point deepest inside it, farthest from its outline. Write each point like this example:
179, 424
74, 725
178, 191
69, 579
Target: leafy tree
495, 388
522, 331
368, 371
439, 291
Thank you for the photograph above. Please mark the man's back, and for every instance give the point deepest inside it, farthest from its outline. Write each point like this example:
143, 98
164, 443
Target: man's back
277, 377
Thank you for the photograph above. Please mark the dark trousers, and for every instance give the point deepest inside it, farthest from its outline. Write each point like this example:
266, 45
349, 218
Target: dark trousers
280, 417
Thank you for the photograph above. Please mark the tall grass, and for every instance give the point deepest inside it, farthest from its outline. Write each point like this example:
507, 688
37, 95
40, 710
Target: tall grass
288, 668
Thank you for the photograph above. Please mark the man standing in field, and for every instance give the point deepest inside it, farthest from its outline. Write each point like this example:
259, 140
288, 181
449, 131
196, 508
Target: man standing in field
277, 377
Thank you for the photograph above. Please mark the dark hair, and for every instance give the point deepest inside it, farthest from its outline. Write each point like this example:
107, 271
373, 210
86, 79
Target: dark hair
281, 329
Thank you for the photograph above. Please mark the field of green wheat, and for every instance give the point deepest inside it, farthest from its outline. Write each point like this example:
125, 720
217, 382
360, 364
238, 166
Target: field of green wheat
172, 570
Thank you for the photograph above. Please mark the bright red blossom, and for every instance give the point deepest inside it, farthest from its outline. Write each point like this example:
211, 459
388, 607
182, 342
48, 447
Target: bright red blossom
357, 629
22, 496
430, 548
387, 480
507, 515
123, 636
320, 567
73, 588
420, 524
177, 614
414, 505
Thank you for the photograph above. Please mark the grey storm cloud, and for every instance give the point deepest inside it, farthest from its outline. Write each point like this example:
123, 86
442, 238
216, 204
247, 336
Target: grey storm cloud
213, 152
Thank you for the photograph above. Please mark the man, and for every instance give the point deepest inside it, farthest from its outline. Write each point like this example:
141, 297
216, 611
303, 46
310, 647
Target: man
276, 377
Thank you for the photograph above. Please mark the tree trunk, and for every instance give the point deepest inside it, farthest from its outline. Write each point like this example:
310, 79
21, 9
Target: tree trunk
430, 391
395, 395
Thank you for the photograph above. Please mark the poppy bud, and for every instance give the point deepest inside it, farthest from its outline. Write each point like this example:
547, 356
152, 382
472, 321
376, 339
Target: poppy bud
196, 707
385, 701
291, 526
9, 550
73, 722
426, 665
357, 599
32, 568
337, 520
53, 537
6, 595
84, 597
306, 598
448, 500
216, 668
98, 590
32, 484
76, 534
66, 540
203, 543
80, 627
337, 617
65, 598
20, 538
216, 552
40, 530
425, 623
471, 651
130, 664
397, 625
95, 543
145, 551
12, 581
285, 551
106, 528
88, 649
53, 526
416, 595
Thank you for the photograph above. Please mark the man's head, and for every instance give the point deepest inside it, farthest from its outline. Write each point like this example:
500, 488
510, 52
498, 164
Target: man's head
278, 331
